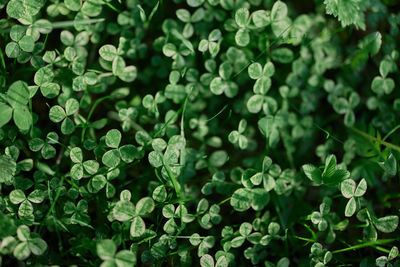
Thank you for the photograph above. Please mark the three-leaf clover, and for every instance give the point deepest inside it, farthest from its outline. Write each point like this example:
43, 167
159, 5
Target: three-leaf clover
107, 251
59, 114
26, 209
331, 175
383, 261
386, 224
242, 19
262, 75
113, 56
212, 43
238, 137
30, 243
81, 168
45, 146
124, 210
351, 191
78, 213
113, 157
17, 96
223, 83
319, 255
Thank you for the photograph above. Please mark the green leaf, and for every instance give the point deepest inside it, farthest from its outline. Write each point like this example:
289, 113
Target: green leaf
91, 166
255, 103
241, 199
242, 37
260, 198
348, 188
17, 196
71, 106
113, 138
206, 261
12, 50
336, 178
160, 193
57, 114
278, 11
22, 251
238, 241
222, 262
18, 9
8, 167
382, 86
195, 3
76, 155
282, 55
245, 229
125, 258
313, 173
27, 43
218, 86
138, 227
128, 74
67, 126
128, 153
22, 118
106, 249
37, 246
347, 11
218, 158
389, 165
111, 158
124, 211
330, 166
23, 233
255, 70
118, 65
242, 17
5, 114
18, 94
361, 188
386, 224
260, 18
145, 206
371, 43
36, 196
155, 159
273, 228
351, 207
394, 252
98, 182
43, 75
73, 5
77, 171
50, 90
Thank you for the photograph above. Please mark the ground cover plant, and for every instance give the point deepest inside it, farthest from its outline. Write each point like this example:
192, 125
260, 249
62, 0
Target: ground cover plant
199, 133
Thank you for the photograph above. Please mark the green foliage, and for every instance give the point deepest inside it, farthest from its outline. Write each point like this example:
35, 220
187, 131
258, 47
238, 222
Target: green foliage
211, 133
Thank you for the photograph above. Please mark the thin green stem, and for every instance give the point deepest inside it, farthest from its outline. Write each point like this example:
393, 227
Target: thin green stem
53, 203
372, 138
3, 62
96, 103
223, 201
391, 132
112, 6
367, 244
304, 238
174, 181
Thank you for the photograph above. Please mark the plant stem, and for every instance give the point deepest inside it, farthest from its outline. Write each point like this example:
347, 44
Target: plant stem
391, 132
372, 138
97, 102
367, 244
